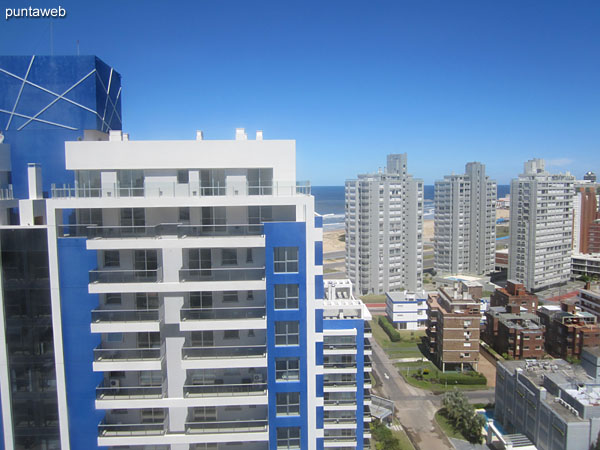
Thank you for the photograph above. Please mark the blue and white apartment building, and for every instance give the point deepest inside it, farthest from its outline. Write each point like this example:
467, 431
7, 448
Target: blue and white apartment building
161, 294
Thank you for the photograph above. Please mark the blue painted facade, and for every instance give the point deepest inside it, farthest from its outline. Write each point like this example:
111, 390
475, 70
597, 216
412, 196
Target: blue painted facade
79, 342
286, 234
47, 100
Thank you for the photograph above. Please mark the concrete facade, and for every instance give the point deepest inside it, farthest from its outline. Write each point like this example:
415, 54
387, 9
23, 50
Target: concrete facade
407, 310
465, 222
384, 229
541, 227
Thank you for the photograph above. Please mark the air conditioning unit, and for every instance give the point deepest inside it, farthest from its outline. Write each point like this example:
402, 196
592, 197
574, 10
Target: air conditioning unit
257, 378
114, 383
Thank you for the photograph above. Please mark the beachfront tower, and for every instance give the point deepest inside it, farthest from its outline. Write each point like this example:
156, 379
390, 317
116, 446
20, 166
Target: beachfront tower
384, 229
541, 227
465, 222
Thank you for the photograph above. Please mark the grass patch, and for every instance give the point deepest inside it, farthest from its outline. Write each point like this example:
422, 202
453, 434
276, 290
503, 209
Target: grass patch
407, 347
501, 231
328, 270
403, 439
428, 256
373, 298
385, 438
446, 426
433, 379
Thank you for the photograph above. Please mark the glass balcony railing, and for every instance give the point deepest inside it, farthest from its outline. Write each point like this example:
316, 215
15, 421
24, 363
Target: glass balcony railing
224, 390
134, 429
124, 315
222, 274
222, 313
219, 230
130, 392
125, 276
127, 354
245, 351
92, 231
248, 426
166, 189
340, 402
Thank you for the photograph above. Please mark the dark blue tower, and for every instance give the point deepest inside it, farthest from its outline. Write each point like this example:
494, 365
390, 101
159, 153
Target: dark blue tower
47, 100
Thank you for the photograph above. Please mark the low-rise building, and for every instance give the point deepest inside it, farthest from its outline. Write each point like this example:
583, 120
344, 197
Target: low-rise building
501, 259
407, 310
585, 264
554, 403
588, 300
453, 318
514, 294
568, 329
513, 331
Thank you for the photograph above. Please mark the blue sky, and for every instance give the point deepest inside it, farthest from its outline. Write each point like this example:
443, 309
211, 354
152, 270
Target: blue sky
445, 81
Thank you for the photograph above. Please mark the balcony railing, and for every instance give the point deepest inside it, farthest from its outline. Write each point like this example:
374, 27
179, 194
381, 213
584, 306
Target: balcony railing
340, 402
224, 390
152, 190
125, 276
222, 274
130, 392
244, 351
125, 315
248, 426
222, 313
126, 354
219, 230
135, 429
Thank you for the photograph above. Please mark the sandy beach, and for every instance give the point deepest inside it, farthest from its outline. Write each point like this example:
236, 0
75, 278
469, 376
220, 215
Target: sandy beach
332, 243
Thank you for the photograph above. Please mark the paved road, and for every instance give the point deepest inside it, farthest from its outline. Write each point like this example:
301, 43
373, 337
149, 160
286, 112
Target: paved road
416, 407
334, 255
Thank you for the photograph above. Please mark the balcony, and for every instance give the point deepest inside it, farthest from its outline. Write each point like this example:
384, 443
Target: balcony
222, 274
127, 354
125, 276
104, 392
134, 429
223, 313
244, 351
224, 390
249, 426
124, 320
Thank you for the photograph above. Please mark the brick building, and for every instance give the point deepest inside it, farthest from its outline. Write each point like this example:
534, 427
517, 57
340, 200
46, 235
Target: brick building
514, 294
513, 331
453, 328
568, 329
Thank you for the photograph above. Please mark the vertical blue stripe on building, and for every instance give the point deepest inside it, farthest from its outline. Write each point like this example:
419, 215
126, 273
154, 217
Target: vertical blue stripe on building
286, 235
319, 287
318, 221
319, 320
319, 253
79, 342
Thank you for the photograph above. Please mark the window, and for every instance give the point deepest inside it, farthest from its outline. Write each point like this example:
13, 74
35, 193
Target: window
201, 300
133, 217
146, 300
286, 296
288, 403
114, 337
231, 334
230, 296
248, 255
184, 215
287, 369
285, 259
145, 260
111, 258
286, 333
288, 437
183, 176
229, 257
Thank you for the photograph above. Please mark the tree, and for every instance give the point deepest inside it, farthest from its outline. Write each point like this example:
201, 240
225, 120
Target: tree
463, 417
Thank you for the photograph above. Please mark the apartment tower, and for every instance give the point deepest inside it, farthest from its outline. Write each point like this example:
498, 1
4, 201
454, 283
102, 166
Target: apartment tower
465, 222
541, 227
384, 229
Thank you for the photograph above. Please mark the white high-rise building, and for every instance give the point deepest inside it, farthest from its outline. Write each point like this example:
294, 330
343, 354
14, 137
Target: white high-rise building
384, 229
465, 222
185, 291
541, 227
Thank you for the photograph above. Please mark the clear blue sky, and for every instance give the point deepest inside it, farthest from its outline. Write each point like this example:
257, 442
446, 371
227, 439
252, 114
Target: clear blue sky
445, 81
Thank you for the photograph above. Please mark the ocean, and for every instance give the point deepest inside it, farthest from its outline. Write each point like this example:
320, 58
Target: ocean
329, 202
